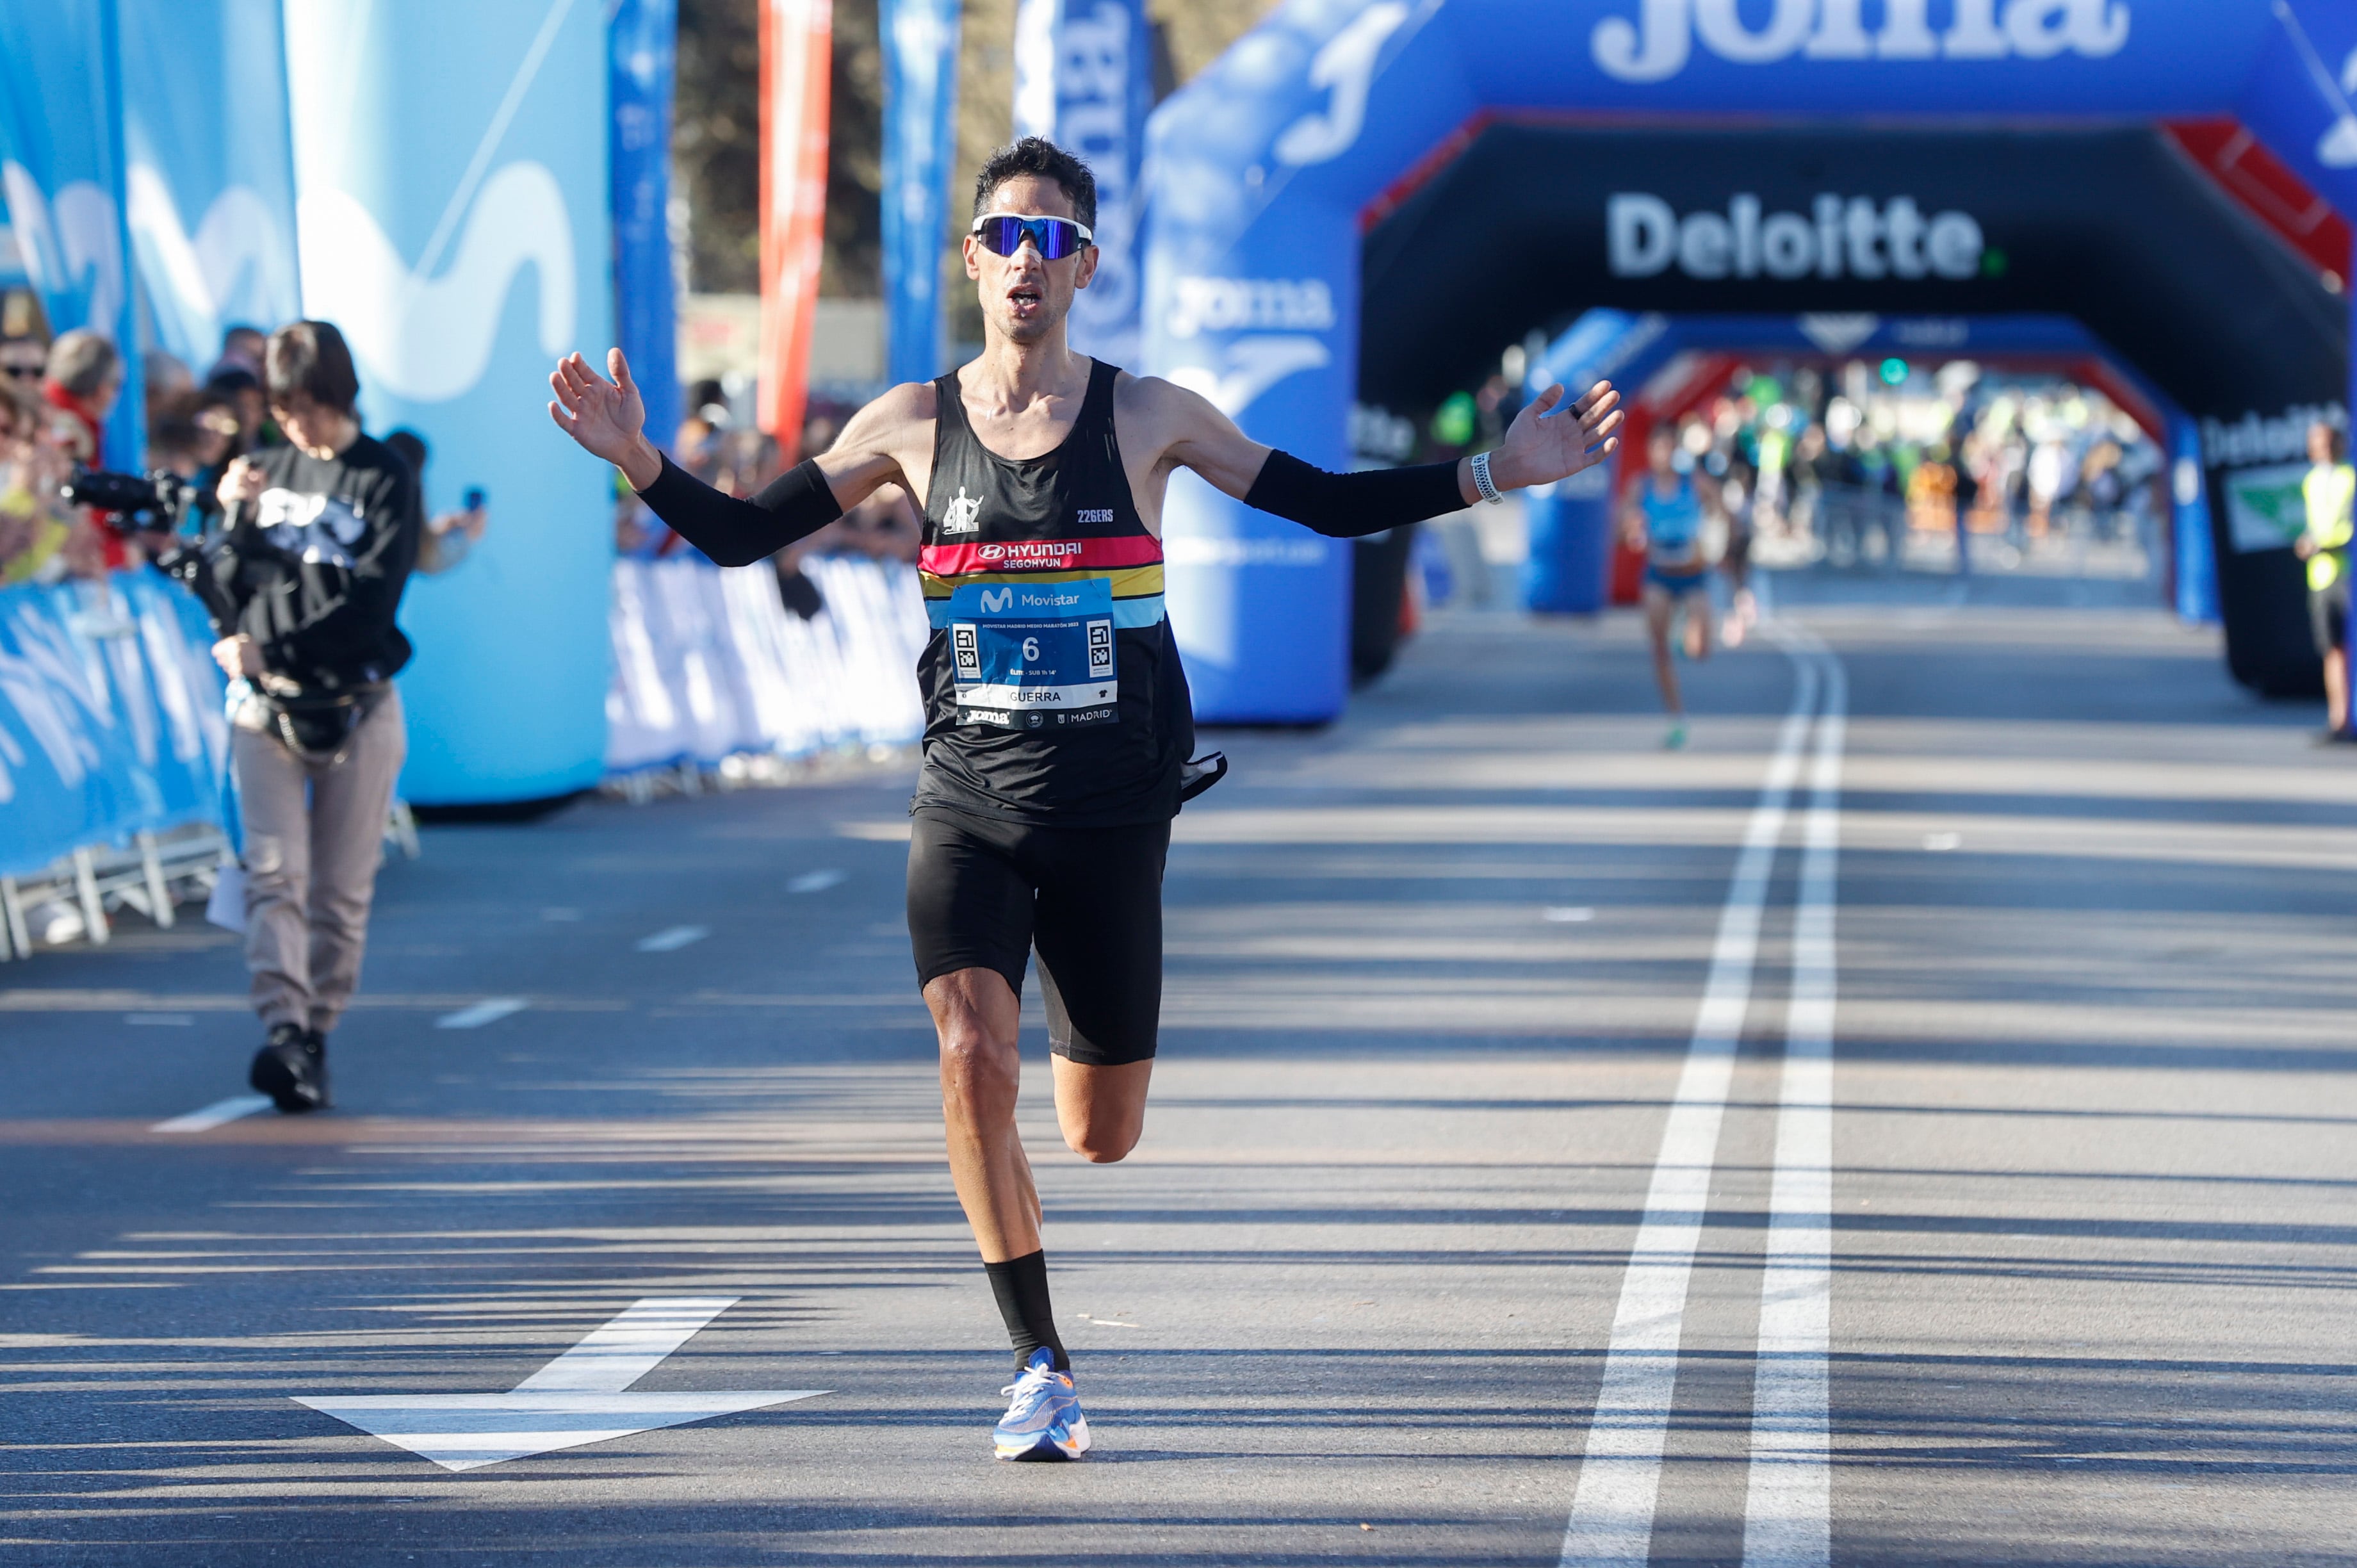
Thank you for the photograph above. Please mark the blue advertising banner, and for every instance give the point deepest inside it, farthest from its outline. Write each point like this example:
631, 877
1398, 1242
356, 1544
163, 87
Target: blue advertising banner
210, 173
1084, 79
61, 165
451, 215
920, 54
109, 716
1264, 171
643, 39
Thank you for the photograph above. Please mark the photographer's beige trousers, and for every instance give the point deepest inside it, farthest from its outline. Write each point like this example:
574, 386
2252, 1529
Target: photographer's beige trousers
314, 836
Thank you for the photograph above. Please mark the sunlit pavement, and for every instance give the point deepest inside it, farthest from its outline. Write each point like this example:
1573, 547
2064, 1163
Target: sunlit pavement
1436, 976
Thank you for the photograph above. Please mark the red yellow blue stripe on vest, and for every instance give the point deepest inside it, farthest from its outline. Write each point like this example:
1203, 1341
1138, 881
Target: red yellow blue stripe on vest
1129, 567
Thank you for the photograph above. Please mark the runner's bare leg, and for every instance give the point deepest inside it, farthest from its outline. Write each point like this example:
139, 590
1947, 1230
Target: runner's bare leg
1102, 1110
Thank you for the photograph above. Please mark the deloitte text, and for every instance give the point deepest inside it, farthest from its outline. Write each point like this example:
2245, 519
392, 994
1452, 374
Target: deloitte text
1658, 44
1838, 238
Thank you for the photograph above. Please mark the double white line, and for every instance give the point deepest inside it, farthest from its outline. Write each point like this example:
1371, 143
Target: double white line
1788, 1503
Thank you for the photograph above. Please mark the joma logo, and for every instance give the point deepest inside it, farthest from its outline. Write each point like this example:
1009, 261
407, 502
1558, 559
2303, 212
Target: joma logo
1657, 45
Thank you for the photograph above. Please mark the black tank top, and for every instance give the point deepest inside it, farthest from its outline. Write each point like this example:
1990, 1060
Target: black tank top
1052, 695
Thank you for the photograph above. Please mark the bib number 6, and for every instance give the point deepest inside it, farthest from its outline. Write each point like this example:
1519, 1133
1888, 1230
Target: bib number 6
1030, 651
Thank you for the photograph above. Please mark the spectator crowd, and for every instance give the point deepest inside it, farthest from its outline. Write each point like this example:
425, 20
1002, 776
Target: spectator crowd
734, 456
56, 397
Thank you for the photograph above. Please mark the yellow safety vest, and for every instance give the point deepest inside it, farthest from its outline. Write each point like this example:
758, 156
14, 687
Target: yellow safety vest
2329, 489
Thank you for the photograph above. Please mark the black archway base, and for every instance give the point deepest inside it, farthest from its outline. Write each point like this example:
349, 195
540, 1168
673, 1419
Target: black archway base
2110, 226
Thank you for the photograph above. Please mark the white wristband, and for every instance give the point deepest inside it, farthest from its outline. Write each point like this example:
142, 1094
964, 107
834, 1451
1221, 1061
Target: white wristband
1481, 480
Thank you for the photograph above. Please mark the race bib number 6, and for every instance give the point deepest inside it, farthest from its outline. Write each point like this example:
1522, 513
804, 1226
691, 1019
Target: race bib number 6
1034, 655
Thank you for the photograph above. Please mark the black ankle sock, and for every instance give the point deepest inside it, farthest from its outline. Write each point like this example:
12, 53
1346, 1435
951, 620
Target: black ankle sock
1021, 1286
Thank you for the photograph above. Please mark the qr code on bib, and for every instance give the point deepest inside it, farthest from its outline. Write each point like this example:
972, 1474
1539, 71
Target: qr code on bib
1100, 647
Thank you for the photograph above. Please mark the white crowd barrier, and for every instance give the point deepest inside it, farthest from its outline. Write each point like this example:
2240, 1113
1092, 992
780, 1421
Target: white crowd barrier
111, 740
710, 664
112, 744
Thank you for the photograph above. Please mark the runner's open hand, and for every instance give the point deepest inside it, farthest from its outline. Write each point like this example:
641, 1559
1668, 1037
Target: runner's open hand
607, 418
1542, 447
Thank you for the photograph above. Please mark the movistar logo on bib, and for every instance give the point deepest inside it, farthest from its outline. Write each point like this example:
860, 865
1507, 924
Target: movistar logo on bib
1047, 599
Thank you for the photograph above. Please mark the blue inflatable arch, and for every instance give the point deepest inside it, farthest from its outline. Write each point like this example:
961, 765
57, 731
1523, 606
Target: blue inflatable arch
1265, 171
1571, 523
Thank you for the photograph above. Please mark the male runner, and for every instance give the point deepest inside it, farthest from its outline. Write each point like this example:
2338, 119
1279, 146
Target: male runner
1057, 718
1664, 518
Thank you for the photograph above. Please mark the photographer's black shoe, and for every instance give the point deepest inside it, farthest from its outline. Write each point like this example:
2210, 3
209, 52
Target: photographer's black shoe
292, 1068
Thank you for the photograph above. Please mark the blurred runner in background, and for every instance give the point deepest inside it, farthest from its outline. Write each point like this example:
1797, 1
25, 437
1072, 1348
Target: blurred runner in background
1665, 518
2329, 490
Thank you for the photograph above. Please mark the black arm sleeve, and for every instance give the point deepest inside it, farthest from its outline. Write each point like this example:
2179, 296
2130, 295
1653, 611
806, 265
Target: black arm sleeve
1347, 506
733, 532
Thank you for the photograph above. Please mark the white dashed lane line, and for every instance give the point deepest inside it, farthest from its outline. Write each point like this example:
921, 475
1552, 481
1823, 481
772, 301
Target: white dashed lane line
213, 1115
814, 881
490, 1010
672, 938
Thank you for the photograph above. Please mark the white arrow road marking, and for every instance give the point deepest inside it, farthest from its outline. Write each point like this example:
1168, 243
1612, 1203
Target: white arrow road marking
488, 1011
814, 881
213, 1115
577, 1399
674, 937
629, 1347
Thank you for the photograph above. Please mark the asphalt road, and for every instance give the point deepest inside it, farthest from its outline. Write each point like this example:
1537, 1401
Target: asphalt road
1960, 1172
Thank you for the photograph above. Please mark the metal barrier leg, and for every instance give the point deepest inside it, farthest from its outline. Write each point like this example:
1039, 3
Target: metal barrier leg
93, 908
159, 896
15, 943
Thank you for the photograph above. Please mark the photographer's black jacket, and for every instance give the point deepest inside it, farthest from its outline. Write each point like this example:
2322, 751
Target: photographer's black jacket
315, 567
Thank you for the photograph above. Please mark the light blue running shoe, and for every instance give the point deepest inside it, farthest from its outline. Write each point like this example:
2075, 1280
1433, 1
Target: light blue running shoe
1045, 1421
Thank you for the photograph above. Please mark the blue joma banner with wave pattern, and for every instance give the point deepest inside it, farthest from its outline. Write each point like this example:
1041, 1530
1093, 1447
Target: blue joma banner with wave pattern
210, 173
109, 716
62, 165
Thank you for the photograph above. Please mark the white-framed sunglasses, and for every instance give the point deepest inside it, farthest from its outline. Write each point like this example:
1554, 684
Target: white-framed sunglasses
1002, 233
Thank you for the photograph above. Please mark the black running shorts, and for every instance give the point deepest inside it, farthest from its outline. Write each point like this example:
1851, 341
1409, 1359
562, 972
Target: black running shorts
2328, 615
983, 895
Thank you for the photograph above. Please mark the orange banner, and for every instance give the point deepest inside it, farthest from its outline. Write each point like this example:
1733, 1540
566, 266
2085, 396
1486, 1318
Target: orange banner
797, 60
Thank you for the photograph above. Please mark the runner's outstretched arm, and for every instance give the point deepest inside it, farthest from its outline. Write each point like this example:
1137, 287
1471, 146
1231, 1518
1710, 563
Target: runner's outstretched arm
1541, 447
608, 418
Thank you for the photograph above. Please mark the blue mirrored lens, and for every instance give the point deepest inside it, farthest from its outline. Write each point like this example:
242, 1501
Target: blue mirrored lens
1054, 238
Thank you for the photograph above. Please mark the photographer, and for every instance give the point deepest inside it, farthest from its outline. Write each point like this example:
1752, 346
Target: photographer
318, 542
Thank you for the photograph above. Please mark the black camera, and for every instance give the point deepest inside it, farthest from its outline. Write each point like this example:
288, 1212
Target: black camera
158, 502
161, 500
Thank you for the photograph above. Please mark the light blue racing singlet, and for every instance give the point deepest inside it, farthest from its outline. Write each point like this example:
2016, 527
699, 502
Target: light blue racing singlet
1673, 526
